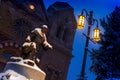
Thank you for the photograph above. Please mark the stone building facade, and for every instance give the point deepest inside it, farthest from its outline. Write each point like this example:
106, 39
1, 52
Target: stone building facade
19, 17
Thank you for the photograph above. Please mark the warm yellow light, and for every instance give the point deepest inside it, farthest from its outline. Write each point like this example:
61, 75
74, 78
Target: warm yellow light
81, 20
96, 35
32, 7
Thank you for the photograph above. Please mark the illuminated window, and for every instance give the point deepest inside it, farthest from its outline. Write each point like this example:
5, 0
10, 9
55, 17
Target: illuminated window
31, 6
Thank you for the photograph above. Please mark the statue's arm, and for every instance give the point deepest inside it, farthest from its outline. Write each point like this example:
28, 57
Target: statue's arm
46, 44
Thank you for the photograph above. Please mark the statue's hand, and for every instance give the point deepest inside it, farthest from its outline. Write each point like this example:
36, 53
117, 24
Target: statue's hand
50, 47
47, 45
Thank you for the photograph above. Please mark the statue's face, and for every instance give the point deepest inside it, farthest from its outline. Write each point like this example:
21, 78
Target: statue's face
44, 30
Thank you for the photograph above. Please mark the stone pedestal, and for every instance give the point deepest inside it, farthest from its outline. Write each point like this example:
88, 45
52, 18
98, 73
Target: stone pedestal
26, 68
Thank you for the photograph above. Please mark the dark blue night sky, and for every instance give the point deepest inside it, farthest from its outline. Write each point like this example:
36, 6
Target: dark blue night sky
101, 8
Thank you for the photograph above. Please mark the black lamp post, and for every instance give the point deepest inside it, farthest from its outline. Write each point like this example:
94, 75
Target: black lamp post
96, 36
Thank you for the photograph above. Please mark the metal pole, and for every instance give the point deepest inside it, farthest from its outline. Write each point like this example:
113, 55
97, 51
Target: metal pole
90, 17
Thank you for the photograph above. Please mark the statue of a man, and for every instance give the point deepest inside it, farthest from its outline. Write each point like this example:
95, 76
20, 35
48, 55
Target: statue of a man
36, 38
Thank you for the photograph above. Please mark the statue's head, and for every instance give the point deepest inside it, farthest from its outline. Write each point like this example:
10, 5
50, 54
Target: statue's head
44, 28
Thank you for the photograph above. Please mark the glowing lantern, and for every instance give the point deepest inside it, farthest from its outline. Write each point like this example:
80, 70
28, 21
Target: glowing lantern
32, 7
96, 35
81, 20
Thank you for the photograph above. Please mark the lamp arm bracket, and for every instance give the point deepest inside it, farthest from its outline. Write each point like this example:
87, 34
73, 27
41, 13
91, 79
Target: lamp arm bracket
95, 20
89, 51
89, 38
84, 10
86, 35
92, 41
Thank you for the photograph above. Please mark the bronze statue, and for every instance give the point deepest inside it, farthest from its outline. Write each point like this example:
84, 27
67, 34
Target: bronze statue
36, 38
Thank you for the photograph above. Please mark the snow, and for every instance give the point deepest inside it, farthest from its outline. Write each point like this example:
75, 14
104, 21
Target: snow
12, 76
22, 62
20, 69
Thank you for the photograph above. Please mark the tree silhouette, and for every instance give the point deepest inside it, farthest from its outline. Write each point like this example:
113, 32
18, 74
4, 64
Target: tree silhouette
106, 59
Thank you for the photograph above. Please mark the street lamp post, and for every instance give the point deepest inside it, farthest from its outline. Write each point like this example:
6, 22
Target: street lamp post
90, 20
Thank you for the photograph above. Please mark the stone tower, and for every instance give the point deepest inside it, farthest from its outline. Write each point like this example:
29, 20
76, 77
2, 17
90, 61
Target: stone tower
18, 19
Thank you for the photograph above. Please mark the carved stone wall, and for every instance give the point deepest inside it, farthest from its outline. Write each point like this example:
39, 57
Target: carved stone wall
16, 22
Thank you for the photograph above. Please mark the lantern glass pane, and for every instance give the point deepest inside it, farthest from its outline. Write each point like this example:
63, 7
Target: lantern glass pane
96, 35
81, 20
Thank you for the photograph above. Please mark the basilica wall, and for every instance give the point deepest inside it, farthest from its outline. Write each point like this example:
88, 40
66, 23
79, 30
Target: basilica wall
19, 17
